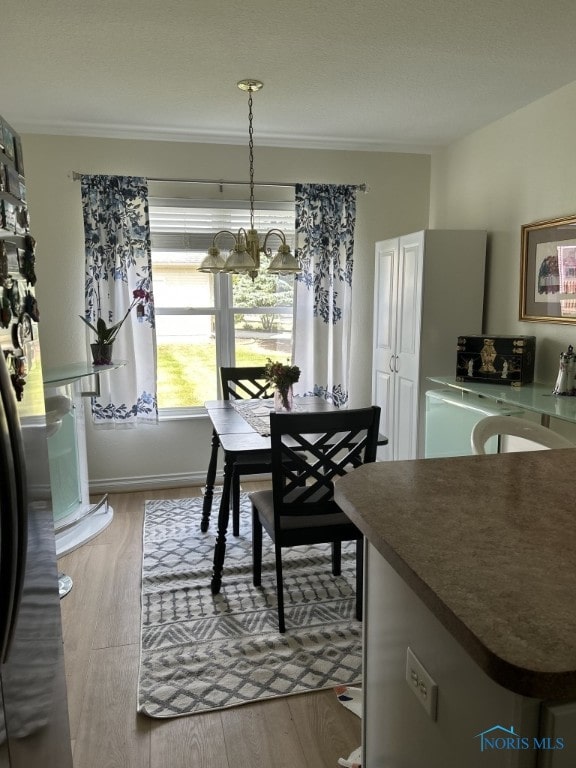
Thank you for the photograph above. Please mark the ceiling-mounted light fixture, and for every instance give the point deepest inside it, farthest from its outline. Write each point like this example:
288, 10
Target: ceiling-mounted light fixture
244, 256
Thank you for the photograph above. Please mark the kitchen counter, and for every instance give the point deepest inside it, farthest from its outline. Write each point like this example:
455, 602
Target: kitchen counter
488, 544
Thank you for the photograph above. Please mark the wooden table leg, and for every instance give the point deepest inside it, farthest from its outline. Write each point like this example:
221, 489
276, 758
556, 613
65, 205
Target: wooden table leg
209, 487
223, 518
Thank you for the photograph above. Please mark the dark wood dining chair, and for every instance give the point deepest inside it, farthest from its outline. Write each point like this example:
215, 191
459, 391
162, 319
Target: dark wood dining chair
241, 383
309, 452
248, 382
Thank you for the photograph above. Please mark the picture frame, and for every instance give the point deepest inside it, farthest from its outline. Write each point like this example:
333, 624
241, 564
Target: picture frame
548, 271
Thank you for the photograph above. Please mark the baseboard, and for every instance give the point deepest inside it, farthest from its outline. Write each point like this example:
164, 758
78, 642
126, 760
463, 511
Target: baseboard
156, 482
149, 482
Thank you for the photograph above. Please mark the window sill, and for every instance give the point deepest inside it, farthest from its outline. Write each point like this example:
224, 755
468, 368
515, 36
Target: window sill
181, 414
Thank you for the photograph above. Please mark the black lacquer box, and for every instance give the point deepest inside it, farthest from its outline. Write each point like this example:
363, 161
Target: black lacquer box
504, 360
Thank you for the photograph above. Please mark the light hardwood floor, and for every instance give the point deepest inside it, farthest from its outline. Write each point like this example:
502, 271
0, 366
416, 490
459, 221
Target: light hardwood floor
101, 625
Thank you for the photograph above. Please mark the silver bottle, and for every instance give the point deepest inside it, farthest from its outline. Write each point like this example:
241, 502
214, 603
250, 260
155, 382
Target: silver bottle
565, 380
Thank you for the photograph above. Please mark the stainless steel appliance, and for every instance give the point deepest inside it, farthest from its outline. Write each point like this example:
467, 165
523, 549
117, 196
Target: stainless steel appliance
34, 729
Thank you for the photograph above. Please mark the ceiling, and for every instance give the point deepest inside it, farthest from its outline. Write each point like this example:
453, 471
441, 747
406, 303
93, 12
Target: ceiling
402, 75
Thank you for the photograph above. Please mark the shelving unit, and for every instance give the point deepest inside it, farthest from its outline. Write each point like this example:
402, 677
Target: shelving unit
76, 519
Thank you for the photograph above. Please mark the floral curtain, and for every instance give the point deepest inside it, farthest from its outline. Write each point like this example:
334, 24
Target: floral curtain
325, 221
119, 262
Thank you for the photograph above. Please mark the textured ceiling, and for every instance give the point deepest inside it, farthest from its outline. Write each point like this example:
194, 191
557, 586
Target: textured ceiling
370, 74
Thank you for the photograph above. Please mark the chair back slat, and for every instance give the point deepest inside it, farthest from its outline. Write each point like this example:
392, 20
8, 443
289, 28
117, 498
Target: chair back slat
245, 383
311, 450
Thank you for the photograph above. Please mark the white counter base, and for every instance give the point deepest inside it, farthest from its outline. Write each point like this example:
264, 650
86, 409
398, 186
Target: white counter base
396, 729
87, 522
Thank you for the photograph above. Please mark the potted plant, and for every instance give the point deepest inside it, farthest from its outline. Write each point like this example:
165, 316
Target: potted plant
105, 335
282, 377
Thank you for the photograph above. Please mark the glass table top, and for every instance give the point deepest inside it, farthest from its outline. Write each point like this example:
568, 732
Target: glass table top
65, 374
534, 397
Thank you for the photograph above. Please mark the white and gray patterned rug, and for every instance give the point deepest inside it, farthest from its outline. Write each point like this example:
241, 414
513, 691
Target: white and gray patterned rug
202, 652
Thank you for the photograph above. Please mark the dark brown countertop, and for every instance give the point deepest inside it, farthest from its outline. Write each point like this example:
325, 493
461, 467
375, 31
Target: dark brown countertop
489, 544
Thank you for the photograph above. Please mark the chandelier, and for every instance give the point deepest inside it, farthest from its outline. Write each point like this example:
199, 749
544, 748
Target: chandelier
244, 255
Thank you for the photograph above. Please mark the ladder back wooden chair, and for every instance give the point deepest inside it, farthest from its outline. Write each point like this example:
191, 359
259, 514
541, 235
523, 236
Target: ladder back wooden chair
309, 452
248, 382
245, 383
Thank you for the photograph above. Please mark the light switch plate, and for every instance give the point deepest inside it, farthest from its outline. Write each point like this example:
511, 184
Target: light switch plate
421, 684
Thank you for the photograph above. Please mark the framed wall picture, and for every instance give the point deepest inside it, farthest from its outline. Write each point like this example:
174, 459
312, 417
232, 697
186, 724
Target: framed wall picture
548, 271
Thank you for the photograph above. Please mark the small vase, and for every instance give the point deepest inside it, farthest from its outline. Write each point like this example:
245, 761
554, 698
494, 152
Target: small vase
101, 353
283, 399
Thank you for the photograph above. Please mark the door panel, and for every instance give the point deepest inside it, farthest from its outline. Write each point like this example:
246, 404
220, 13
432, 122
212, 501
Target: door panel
384, 308
409, 295
382, 396
408, 345
385, 325
405, 417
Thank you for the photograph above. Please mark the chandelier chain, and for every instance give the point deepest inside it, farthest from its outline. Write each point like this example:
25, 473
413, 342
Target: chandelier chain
251, 156
244, 257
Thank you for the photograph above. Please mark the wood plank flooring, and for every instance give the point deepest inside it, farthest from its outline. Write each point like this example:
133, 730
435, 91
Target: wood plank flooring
101, 625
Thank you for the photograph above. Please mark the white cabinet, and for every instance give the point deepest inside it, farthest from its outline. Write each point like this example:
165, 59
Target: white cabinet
397, 730
428, 290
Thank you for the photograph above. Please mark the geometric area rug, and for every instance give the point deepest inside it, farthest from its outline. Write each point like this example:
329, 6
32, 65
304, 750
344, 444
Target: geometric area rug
202, 652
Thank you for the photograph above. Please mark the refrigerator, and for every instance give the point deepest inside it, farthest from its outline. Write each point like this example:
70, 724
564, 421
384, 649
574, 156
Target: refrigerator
34, 726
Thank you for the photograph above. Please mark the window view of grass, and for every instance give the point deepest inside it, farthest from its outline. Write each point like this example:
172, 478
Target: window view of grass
187, 372
204, 321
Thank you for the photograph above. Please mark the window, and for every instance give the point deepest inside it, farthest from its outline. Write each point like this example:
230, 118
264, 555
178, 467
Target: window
204, 321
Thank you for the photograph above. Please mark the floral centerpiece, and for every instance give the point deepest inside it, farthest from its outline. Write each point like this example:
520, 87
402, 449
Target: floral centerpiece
282, 377
106, 335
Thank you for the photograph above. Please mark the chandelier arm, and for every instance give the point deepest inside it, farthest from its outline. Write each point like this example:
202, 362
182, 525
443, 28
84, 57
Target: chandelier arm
225, 232
278, 233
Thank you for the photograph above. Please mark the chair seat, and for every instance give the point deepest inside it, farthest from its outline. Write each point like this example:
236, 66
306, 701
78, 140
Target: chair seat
264, 503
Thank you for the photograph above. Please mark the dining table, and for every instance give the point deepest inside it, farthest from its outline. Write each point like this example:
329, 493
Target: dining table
239, 427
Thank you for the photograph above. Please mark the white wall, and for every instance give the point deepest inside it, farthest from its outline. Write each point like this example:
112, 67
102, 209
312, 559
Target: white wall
518, 170
176, 452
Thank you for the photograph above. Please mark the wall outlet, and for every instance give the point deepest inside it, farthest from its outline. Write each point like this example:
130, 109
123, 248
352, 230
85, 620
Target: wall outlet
421, 684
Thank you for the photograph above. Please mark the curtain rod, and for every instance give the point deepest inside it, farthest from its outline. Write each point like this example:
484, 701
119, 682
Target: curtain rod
76, 176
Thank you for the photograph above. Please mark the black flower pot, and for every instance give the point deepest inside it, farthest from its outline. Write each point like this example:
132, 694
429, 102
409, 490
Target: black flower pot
101, 353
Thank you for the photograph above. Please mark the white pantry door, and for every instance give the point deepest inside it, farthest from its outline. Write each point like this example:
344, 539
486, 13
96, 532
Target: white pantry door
397, 313
407, 364
384, 339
